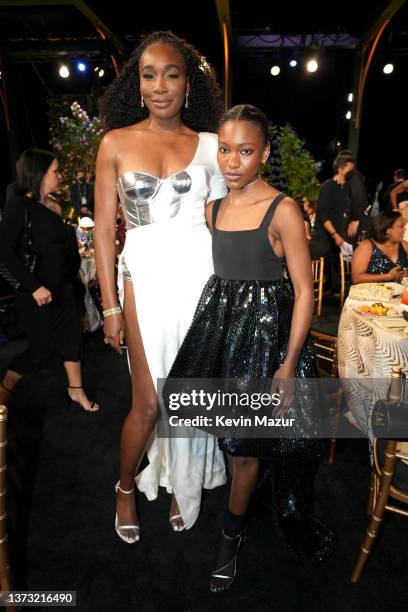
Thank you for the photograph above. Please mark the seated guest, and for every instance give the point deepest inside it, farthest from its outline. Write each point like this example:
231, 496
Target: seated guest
384, 255
310, 207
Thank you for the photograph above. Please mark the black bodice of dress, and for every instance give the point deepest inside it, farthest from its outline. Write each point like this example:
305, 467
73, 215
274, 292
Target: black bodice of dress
246, 254
50, 239
380, 263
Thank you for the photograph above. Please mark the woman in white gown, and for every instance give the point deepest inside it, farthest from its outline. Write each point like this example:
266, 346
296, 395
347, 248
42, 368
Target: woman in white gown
159, 155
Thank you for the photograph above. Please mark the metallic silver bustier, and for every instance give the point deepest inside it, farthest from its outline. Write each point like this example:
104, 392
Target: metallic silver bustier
139, 195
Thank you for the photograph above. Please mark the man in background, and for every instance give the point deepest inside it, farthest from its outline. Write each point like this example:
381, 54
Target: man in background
81, 194
332, 210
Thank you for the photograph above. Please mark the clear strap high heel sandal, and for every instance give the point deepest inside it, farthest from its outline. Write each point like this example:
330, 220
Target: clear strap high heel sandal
224, 574
120, 528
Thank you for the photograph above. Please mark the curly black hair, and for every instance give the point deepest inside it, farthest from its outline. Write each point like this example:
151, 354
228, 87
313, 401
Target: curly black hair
120, 104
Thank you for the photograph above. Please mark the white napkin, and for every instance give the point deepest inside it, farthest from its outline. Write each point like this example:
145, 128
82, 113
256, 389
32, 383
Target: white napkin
346, 248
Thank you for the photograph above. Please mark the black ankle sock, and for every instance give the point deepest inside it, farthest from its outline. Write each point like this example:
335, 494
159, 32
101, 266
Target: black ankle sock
232, 524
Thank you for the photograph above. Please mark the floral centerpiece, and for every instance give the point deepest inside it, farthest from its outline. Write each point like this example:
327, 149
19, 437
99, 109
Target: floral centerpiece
75, 139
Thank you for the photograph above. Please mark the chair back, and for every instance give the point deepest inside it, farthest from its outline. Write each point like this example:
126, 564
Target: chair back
326, 351
318, 276
345, 275
382, 487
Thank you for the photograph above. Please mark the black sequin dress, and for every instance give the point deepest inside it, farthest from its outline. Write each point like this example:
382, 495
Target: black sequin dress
241, 326
380, 263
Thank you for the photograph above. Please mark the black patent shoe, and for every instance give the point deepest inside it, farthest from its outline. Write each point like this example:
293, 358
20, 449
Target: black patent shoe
308, 537
226, 567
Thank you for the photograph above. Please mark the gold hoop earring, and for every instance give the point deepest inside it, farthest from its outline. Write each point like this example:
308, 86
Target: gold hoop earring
142, 101
186, 101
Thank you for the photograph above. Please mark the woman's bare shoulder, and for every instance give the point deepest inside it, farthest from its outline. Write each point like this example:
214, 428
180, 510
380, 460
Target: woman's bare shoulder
364, 247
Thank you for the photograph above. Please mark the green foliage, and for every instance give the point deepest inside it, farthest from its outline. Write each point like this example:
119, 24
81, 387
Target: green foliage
298, 166
75, 138
290, 167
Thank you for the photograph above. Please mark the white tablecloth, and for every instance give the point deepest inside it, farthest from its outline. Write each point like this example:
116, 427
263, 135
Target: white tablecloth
367, 350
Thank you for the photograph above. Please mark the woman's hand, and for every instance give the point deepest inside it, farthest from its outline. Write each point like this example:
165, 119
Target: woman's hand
42, 296
114, 330
283, 384
395, 274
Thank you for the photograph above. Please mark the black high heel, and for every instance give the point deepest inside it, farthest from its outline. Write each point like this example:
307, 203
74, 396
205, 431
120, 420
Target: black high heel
224, 574
73, 404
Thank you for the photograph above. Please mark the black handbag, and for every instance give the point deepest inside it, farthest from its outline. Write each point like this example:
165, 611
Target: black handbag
24, 253
390, 420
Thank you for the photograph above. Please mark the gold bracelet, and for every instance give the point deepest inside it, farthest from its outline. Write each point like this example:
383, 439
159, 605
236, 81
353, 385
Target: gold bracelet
109, 312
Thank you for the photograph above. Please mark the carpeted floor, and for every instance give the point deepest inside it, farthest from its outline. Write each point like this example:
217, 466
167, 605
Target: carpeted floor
62, 466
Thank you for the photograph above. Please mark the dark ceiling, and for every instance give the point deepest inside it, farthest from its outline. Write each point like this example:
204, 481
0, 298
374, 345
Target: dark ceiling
35, 39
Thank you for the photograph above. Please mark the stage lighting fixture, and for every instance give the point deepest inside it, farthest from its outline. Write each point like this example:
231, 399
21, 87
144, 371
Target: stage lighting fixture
101, 73
293, 63
350, 97
64, 72
275, 70
81, 67
312, 65
348, 115
388, 68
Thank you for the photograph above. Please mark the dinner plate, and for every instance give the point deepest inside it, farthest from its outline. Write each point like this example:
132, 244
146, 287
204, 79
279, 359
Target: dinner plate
397, 288
397, 317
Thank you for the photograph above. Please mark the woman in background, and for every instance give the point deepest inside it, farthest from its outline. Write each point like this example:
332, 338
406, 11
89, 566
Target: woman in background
45, 301
384, 255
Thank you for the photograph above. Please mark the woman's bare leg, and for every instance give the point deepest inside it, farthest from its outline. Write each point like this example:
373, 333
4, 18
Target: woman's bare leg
142, 417
75, 390
244, 479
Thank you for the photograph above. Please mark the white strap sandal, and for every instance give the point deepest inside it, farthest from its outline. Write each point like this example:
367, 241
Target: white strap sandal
119, 528
173, 523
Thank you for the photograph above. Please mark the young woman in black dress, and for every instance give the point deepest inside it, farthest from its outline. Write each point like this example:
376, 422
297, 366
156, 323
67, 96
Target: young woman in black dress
252, 323
45, 301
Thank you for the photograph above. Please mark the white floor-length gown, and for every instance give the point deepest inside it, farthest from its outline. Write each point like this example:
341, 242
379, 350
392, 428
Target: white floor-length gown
167, 257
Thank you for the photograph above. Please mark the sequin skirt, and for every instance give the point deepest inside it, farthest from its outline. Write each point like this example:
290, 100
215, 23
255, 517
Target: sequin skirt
241, 330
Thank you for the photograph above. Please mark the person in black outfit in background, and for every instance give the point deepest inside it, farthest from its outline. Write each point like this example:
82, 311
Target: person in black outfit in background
81, 194
399, 177
332, 209
45, 303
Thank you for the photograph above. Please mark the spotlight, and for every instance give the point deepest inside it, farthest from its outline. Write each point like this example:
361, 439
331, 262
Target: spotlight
348, 115
101, 73
81, 67
96, 68
350, 97
64, 72
388, 68
312, 65
293, 63
275, 70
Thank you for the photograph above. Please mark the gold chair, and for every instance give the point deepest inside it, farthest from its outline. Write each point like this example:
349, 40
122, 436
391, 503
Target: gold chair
361, 236
345, 275
381, 489
326, 352
5, 575
318, 276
